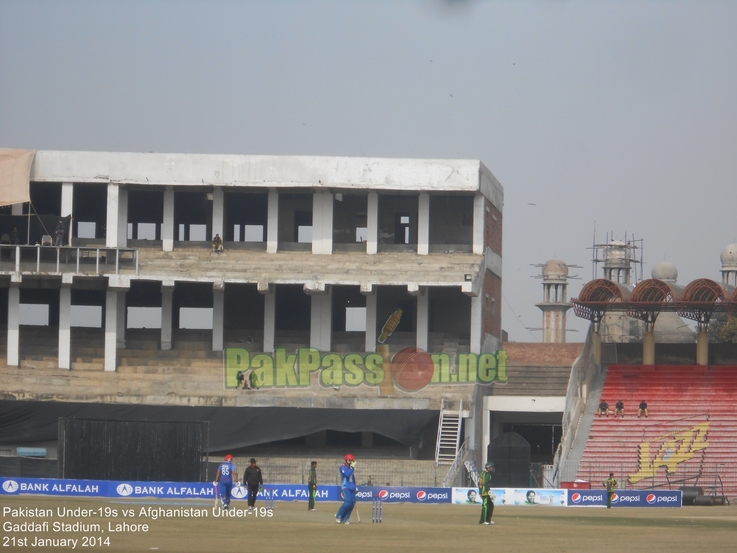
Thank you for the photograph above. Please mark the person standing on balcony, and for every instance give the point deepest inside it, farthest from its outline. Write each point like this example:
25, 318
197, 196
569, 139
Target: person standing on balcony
611, 485
59, 234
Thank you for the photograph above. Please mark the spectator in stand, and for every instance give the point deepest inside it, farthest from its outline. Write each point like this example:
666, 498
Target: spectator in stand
217, 244
619, 408
642, 410
603, 408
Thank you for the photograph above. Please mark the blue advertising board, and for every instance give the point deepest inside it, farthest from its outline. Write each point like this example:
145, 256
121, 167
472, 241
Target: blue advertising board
626, 498
204, 490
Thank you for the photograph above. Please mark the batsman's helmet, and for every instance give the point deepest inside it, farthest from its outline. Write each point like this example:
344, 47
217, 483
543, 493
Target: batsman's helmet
228, 457
489, 465
349, 457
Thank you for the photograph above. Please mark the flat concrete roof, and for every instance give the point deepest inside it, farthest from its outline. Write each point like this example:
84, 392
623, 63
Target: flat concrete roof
309, 172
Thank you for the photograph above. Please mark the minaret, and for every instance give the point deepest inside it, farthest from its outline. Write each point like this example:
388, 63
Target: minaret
555, 301
729, 265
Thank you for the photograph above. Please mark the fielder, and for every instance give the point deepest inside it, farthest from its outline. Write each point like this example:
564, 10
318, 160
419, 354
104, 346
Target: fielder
347, 489
227, 472
487, 502
611, 485
312, 486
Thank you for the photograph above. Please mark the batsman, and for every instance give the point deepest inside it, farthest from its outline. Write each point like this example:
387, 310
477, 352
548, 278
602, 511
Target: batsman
487, 501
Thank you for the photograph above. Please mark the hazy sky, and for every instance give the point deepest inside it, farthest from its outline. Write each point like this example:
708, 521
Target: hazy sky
608, 116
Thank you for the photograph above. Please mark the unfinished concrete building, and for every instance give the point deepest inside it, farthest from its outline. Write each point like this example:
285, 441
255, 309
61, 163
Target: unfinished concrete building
133, 306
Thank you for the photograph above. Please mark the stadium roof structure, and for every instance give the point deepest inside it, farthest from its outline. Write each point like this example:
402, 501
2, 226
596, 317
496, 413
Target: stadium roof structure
698, 301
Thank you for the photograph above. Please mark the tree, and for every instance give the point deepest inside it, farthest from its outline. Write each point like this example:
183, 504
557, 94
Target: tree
723, 329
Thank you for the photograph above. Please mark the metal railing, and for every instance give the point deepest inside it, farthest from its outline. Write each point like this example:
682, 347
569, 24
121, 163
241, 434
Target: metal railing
67, 259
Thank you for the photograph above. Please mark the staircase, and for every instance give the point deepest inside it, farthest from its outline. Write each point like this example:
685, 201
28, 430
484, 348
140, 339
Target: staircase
449, 434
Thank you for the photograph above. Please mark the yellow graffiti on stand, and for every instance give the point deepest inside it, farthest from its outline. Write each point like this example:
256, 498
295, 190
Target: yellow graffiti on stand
676, 448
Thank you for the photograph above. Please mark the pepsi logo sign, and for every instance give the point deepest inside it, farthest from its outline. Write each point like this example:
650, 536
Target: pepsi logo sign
421, 495
650, 498
383, 494
576, 497
615, 497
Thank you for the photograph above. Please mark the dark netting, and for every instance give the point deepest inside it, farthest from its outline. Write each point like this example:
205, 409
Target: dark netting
510, 454
27, 467
144, 451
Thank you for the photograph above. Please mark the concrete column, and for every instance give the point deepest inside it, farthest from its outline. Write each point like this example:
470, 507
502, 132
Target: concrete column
13, 354
218, 315
65, 324
269, 319
16, 209
218, 212
648, 345
372, 223
272, 223
423, 311
371, 321
67, 198
121, 322
113, 215
123, 218
111, 330
486, 434
702, 347
321, 320
477, 327
596, 346
167, 229
167, 303
479, 223
423, 225
322, 223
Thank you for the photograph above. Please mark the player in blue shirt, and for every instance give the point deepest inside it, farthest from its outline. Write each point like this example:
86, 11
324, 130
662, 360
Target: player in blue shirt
347, 489
226, 474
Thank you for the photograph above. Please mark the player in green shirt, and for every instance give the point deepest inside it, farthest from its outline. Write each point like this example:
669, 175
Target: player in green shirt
610, 484
487, 503
312, 486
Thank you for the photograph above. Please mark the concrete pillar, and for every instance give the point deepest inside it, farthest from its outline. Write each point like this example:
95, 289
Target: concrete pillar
702, 347
13, 354
423, 311
322, 223
67, 203
479, 224
167, 305
372, 223
272, 223
65, 324
486, 434
113, 215
477, 327
218, 315
596, 345
371, 321
218, 213
648, 345
111, 330
16, 209
121, 322
269, 319
321, 320
423, 225
123, 218
13, 338
167, 229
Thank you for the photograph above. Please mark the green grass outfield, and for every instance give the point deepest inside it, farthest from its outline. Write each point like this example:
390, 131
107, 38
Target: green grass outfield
405, 528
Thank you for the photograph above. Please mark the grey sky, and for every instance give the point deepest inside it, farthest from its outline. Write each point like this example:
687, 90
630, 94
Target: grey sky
615, 115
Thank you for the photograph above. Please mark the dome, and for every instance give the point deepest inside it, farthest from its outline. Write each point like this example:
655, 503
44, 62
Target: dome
729, 256
665, 271
555, 269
